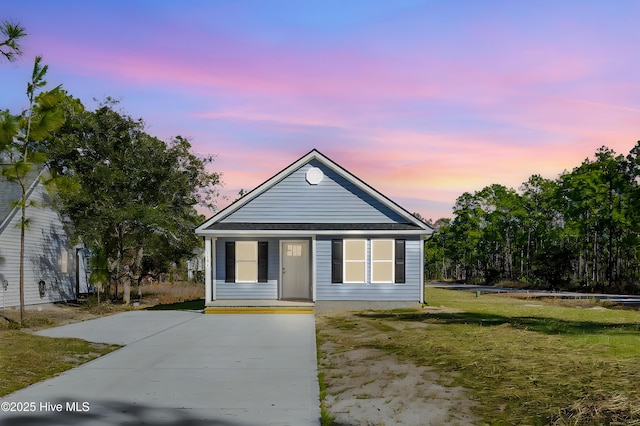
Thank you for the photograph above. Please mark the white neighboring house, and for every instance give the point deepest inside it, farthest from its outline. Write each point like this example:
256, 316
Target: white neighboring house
53, 271
195, 265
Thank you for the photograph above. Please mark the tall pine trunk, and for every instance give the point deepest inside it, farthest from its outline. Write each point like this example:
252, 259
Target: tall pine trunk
23, 219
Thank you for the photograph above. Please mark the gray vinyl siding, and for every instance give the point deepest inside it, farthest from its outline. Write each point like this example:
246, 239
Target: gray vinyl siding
268, 290
325, 290
45, 242
409, 291
334, 200
233, 291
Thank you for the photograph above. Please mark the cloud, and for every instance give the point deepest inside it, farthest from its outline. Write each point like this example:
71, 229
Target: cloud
290, 117
423, 102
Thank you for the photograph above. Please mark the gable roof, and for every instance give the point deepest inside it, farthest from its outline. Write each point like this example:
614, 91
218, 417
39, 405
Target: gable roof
405, 220
10, 192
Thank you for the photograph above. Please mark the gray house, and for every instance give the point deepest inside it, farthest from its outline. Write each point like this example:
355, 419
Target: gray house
52, 273
313, 232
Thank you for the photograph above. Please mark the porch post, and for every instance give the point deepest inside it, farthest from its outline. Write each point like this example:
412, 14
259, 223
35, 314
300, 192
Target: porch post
213, 269
313, 268
421, 270
207, 270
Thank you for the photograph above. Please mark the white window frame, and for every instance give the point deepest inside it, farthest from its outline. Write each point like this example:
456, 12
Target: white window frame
345, 261
239, 262
392, 261
64, 261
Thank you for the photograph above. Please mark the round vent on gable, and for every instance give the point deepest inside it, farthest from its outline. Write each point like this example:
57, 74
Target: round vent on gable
314, 176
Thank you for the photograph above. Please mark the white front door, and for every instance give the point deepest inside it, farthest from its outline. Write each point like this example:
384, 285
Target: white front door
294, 257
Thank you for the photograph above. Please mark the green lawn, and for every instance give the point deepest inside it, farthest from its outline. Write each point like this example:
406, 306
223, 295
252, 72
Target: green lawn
523, 361
26, 358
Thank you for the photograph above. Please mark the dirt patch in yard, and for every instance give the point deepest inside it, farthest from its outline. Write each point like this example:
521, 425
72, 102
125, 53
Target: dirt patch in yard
366, 386
54, 315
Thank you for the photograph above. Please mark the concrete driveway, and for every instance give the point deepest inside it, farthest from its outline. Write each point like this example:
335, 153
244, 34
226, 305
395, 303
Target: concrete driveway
182, 368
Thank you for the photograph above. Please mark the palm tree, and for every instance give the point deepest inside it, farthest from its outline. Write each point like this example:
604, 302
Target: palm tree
10, 48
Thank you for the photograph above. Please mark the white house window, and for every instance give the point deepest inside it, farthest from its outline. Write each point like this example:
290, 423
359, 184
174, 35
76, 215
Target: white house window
382, 261
64, 261
246, 261
349, 261
355, 261
294, 250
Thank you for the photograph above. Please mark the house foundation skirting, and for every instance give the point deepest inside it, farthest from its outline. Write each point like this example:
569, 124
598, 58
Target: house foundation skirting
259, 307
363, 305
303, 307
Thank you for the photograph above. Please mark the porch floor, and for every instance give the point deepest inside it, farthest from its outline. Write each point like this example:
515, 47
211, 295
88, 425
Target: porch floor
261, 302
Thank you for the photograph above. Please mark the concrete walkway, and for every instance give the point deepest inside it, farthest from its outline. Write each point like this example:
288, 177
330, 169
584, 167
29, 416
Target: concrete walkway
182, 368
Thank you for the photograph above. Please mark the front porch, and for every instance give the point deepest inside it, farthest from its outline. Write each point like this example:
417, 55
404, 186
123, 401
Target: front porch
242, 270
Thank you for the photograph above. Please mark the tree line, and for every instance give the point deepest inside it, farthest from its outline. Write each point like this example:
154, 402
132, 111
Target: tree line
579, 231
127, 196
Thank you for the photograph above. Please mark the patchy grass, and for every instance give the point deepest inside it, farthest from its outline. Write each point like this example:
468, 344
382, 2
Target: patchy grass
52, 315
167, 293
522, 363
28, 359
326, 419
159, 296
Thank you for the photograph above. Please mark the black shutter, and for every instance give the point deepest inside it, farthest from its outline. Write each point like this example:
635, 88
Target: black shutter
230, 262
400, 256
336, 261
263, 252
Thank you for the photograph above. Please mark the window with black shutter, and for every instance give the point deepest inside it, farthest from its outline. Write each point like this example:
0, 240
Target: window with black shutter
400, 261
246, 261
336, 261
263, 256
230, 262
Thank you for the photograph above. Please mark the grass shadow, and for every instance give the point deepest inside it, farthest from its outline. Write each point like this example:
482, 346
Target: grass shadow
546, 325
188, 305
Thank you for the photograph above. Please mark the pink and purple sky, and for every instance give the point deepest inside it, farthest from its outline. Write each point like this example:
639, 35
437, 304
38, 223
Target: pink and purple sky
424, 100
